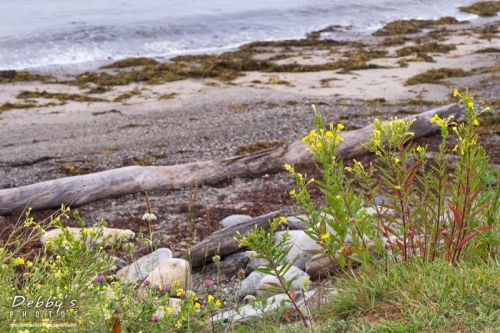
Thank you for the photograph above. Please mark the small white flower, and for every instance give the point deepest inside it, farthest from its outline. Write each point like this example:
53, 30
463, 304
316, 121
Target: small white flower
126, 234
149, 217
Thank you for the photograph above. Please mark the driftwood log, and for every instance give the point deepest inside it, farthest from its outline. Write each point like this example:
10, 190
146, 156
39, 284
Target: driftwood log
222, 242
79, 190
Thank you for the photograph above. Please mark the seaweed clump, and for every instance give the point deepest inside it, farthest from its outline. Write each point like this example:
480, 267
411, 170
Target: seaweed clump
413, 26
25, 94
484, 8
429, 47
132, 62
9, 76
127, 95
435, 75
228, 66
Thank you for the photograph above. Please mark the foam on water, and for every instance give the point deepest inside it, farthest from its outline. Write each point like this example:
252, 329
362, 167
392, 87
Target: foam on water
50, 32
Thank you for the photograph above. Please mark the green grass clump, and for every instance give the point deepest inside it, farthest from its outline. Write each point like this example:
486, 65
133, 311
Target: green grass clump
484, 8
412, 298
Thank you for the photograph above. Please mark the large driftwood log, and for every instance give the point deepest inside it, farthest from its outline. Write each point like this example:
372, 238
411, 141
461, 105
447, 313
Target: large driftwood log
222, 242
112, 183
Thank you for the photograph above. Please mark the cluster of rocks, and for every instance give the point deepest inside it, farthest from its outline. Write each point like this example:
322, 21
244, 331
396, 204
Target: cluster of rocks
159, 268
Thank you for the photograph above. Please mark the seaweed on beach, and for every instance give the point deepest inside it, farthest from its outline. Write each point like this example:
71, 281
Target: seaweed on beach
425, 48
8, 76
25, 94
132, 62
127, 95
228, 66
413, 26
483, 8
435, 75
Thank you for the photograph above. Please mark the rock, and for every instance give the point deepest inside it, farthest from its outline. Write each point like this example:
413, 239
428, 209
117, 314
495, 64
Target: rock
139, 269
249, 285
120, 263
296, 275
249, 311
321, 266
169, 271
234, 220
296, 223
302, 247
230, 265
111, 235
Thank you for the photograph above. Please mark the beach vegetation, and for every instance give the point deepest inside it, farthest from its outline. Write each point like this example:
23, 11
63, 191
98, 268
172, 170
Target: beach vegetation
132, 62
168, 96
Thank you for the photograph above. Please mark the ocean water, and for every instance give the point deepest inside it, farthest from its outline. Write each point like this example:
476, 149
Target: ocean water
64, 33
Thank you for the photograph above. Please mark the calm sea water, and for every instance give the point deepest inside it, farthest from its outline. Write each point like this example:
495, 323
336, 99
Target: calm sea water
40, 33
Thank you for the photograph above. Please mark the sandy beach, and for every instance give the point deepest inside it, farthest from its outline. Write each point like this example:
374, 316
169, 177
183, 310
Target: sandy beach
48, 136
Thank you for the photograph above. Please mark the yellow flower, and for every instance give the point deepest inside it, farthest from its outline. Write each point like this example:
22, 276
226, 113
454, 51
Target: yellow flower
434, 119
287, 167
292, 192
455, 93
312, 134
282, 219
325, 236
319, 145
180, 291
329, 134
378, 153
486, 109
4, 266
396, 160
218, 303
475, 122
210, 299
470, 105
29, 264
339, 139
377, 142
19, 262
340, 127
171, 310
58, 274
397, 187
196, 305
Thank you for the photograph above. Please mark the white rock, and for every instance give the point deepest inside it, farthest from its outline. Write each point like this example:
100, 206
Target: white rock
301, 249
169, 271
234, 220
139, 269
294, 274
110, 235
249, 285
321, 265
249, 310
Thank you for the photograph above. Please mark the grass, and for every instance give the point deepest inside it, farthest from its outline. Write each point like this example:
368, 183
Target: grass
435, 297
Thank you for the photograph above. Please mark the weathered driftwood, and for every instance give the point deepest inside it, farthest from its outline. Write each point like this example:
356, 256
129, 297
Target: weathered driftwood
112, 183
222, 242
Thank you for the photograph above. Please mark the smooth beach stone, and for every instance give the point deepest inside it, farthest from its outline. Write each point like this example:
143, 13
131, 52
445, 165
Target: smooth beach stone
272, 302
139, 269
249, 285
295, 222
296, 275
322, 266
169, 271
301, 249
120, 263
111, 235
235, 219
